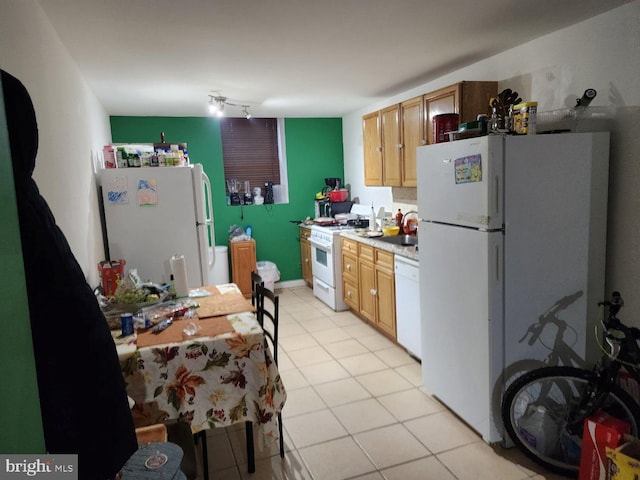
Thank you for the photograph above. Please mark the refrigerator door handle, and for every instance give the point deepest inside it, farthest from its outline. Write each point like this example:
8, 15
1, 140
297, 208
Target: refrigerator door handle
209, 216
497, 196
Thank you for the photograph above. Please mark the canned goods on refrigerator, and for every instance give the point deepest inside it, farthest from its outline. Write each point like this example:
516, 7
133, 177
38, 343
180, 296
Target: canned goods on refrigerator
524, 118
126, 320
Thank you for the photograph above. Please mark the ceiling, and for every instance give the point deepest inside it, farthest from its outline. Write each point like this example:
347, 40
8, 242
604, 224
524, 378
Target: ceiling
288, 58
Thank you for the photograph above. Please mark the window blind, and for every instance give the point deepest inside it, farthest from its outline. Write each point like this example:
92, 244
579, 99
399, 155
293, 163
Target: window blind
250, 150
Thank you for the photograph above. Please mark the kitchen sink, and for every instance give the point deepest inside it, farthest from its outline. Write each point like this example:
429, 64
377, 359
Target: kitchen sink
402, 240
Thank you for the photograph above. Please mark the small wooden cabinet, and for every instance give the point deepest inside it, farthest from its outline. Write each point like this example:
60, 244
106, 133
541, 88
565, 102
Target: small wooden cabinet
243, 262
369, 284
305, 256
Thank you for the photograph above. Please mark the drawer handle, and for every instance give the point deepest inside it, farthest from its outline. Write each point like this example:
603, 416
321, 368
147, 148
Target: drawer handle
349, 294
373, 291
349, 267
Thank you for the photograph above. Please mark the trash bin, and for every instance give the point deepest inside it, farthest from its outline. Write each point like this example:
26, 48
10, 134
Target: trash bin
221, 265
269, 273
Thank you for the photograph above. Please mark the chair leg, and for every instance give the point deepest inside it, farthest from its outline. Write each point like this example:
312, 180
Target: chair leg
205, 458
281, 436
250, 453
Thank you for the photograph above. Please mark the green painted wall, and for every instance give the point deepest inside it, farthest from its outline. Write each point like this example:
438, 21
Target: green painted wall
314, 151
20, 423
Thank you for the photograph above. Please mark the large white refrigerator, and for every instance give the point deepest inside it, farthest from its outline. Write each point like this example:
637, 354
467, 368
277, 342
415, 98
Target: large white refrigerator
154, 213
512, 255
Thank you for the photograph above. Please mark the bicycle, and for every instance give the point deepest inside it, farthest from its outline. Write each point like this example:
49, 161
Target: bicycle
543, 411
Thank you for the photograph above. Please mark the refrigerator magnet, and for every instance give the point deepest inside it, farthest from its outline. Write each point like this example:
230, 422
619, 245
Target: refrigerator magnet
468, 169
147, 192
117, 190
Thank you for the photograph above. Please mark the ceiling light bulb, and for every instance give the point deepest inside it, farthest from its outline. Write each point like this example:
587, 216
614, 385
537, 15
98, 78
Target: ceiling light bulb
246, 113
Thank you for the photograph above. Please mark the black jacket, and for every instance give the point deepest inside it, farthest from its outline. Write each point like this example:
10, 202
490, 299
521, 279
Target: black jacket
82, 392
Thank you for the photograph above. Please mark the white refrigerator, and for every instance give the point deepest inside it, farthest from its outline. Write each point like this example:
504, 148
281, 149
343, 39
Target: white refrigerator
154, 213
512, 254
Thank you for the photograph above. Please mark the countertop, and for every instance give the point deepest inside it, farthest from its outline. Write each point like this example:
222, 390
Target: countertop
409, 252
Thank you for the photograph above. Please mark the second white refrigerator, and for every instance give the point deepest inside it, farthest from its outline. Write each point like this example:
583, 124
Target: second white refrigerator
154, 213
512, 251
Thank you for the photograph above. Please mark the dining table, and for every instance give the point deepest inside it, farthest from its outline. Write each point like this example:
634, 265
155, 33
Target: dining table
211, 367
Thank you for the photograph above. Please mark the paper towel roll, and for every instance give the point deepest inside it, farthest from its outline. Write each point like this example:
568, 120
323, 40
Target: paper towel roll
179, 270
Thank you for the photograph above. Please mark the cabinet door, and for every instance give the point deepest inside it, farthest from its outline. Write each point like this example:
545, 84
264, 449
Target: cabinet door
474, 99
367, 289
445, 100
385, 301
243, 262
305, 259
351, 294
372, 149
391, 146
413, 136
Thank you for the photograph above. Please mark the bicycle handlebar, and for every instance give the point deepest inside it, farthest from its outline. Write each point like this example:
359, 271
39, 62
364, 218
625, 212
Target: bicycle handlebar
630, 350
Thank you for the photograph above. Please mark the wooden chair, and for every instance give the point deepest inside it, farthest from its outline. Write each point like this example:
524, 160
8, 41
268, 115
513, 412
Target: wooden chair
267, 305
256, 279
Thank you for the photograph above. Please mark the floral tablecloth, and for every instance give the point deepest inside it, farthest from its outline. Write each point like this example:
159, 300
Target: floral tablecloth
208, 381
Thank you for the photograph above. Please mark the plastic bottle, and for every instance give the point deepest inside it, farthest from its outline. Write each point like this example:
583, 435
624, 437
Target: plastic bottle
372, 221
399, 219
538, 429
162, 158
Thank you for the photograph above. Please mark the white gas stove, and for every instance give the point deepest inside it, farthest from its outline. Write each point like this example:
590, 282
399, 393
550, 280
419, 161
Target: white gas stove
326, 262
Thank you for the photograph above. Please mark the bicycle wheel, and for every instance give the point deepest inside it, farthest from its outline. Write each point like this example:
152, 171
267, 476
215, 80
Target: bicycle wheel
541, 415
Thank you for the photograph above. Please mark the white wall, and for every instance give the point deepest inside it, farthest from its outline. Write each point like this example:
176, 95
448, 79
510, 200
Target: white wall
601, 53
72, 126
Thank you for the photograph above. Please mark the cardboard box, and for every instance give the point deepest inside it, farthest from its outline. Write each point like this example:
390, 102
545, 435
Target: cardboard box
601, 430
110, 272
624, 461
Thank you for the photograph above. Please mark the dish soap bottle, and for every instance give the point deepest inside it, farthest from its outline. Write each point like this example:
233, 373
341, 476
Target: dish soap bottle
399, 219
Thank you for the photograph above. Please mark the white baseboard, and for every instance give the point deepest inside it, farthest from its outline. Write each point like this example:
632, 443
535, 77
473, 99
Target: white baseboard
290, 284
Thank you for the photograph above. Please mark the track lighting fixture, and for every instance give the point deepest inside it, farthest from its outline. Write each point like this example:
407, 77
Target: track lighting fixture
217, 103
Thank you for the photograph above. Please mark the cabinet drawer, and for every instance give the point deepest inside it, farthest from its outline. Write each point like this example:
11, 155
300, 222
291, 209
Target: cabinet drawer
350, 246
305, 232
350, 267
350, 294
384, 259
366, 252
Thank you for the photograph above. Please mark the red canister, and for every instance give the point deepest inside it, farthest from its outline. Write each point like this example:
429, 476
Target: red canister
443, 123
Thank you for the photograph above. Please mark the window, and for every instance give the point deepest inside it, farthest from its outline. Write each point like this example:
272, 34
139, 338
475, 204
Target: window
253, 151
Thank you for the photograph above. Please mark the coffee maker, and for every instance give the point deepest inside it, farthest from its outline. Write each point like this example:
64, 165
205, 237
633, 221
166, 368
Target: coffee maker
268, 192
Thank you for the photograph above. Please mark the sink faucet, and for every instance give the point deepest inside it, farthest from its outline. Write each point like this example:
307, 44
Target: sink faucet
413, 230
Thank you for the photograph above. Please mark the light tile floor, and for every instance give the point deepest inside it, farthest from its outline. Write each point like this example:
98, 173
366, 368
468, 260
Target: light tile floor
357, 409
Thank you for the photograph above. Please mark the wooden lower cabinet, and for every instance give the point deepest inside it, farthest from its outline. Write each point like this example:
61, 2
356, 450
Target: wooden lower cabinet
305, 256
243, 262
385, 295
369, 284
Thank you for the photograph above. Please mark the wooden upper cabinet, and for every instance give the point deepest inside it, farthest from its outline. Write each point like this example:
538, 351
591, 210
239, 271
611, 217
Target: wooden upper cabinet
413, 135
445, 100
371, 134
391, 135
467, 99
391, 146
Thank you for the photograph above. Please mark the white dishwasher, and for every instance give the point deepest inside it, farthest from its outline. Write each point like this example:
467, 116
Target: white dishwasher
408, 305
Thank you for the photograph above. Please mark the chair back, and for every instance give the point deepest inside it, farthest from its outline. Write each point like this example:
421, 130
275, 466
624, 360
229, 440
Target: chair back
267, 305
256, 279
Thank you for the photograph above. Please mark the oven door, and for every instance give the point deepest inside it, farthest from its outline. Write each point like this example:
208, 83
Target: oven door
322, 260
